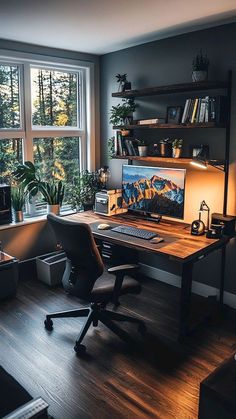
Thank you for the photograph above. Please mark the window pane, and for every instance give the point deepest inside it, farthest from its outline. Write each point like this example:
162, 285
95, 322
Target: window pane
9, 97
57, 158
54, 98
10, 157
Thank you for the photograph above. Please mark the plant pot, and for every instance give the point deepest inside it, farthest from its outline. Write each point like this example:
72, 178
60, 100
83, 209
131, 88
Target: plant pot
176, 152
125, 132
18, 216
199, 76
143, 150
53, 209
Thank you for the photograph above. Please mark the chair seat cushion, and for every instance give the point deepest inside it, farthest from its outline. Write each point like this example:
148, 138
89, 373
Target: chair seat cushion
104, 292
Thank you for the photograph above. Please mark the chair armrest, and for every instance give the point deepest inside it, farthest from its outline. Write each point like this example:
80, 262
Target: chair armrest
120, 271
120, 268
35, 408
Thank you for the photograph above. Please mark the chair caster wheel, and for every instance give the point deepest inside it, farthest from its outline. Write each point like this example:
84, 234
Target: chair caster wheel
80, 349
142, 328
48, 323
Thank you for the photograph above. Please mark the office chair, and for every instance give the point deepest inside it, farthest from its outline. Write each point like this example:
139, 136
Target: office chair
84, 267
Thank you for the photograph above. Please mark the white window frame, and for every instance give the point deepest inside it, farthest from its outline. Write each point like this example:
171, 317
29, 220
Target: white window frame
86, 132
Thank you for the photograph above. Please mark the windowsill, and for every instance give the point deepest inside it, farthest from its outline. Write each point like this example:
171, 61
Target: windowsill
31, 220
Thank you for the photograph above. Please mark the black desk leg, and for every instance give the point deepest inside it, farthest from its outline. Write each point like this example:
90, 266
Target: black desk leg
185, 298
222, 277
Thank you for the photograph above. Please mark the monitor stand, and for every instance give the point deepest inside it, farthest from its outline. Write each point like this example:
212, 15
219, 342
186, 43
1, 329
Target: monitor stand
146, 216
153, 217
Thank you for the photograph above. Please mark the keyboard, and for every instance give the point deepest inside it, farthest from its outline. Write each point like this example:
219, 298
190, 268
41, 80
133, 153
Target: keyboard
135, 232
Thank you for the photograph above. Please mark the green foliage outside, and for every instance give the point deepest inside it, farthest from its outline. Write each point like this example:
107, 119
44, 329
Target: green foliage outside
54, 96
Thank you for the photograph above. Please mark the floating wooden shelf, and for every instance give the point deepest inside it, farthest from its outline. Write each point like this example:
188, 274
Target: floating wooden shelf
169, 126
173, 88
170, 160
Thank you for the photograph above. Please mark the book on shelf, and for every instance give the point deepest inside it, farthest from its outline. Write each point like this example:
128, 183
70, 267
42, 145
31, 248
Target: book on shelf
151, 121
204, 110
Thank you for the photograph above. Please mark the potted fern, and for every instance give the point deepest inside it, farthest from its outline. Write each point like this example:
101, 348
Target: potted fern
200, 67
18, 196
52, 192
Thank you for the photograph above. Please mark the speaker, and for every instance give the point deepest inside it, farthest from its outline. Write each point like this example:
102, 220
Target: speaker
227, 222
5, 204
197, 228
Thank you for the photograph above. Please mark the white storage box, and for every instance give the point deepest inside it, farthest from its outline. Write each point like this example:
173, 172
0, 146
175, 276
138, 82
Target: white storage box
50, 267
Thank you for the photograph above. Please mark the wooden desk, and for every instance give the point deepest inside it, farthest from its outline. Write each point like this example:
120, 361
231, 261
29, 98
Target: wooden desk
179, 246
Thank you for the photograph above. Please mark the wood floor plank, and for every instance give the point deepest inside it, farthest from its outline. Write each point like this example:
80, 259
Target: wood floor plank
158, 378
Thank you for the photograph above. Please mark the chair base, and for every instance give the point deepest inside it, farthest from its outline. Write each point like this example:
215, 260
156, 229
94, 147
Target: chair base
97, 312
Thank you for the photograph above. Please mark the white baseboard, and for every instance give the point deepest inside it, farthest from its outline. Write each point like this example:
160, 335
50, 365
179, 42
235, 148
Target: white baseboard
197, 287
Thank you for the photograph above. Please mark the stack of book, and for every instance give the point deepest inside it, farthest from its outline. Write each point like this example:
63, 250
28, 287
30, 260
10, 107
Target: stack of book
203, 110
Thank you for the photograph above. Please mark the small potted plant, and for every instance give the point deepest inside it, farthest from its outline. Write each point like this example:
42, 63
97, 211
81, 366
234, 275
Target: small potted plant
142, 148
82, 192
18, 196
177, 145
52, 192
122, 114
123, 83
200, 67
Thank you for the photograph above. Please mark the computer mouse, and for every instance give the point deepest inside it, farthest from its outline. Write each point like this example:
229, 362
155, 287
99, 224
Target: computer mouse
157, 240
104, 226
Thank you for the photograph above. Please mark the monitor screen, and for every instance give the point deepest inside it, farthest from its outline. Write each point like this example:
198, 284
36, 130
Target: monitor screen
157, 190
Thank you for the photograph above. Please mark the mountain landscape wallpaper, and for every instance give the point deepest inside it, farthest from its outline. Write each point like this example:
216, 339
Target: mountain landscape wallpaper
154, 190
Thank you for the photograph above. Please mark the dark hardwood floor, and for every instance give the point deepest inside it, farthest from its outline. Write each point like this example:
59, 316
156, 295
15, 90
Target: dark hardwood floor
157, 378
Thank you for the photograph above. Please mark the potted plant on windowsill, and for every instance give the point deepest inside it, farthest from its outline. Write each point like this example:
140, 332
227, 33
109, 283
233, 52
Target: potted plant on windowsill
82, 192
200, 67
52, 192
122, 114
18, 195
177, 145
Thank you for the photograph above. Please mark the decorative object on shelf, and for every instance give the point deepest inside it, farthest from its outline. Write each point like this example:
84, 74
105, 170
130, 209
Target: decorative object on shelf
165, 147
82, 192
200, 67
52, 192
104, 175
174, 114
18, 195
200, 151
177, 145
122, 114
142, 148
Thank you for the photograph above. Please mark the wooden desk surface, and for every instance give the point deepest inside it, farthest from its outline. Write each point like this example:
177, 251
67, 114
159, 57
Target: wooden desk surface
178, 243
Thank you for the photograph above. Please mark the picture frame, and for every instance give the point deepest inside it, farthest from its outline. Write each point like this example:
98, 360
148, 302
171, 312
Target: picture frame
174, 114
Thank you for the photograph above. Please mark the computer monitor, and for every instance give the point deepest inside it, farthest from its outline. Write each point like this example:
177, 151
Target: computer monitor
154, 190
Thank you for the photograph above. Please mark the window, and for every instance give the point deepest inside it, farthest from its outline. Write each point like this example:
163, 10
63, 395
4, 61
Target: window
43, 118
11, 154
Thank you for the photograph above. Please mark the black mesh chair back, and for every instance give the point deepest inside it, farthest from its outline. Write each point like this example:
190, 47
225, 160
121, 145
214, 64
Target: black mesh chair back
84, 264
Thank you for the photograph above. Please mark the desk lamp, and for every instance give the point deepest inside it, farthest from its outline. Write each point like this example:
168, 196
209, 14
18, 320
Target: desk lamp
204, 207
104, 175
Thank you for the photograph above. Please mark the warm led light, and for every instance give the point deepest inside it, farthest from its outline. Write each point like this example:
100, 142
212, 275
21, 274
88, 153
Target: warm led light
199, 163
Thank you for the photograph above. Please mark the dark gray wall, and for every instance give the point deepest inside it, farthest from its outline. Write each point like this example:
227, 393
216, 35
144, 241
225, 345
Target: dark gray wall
169, 61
